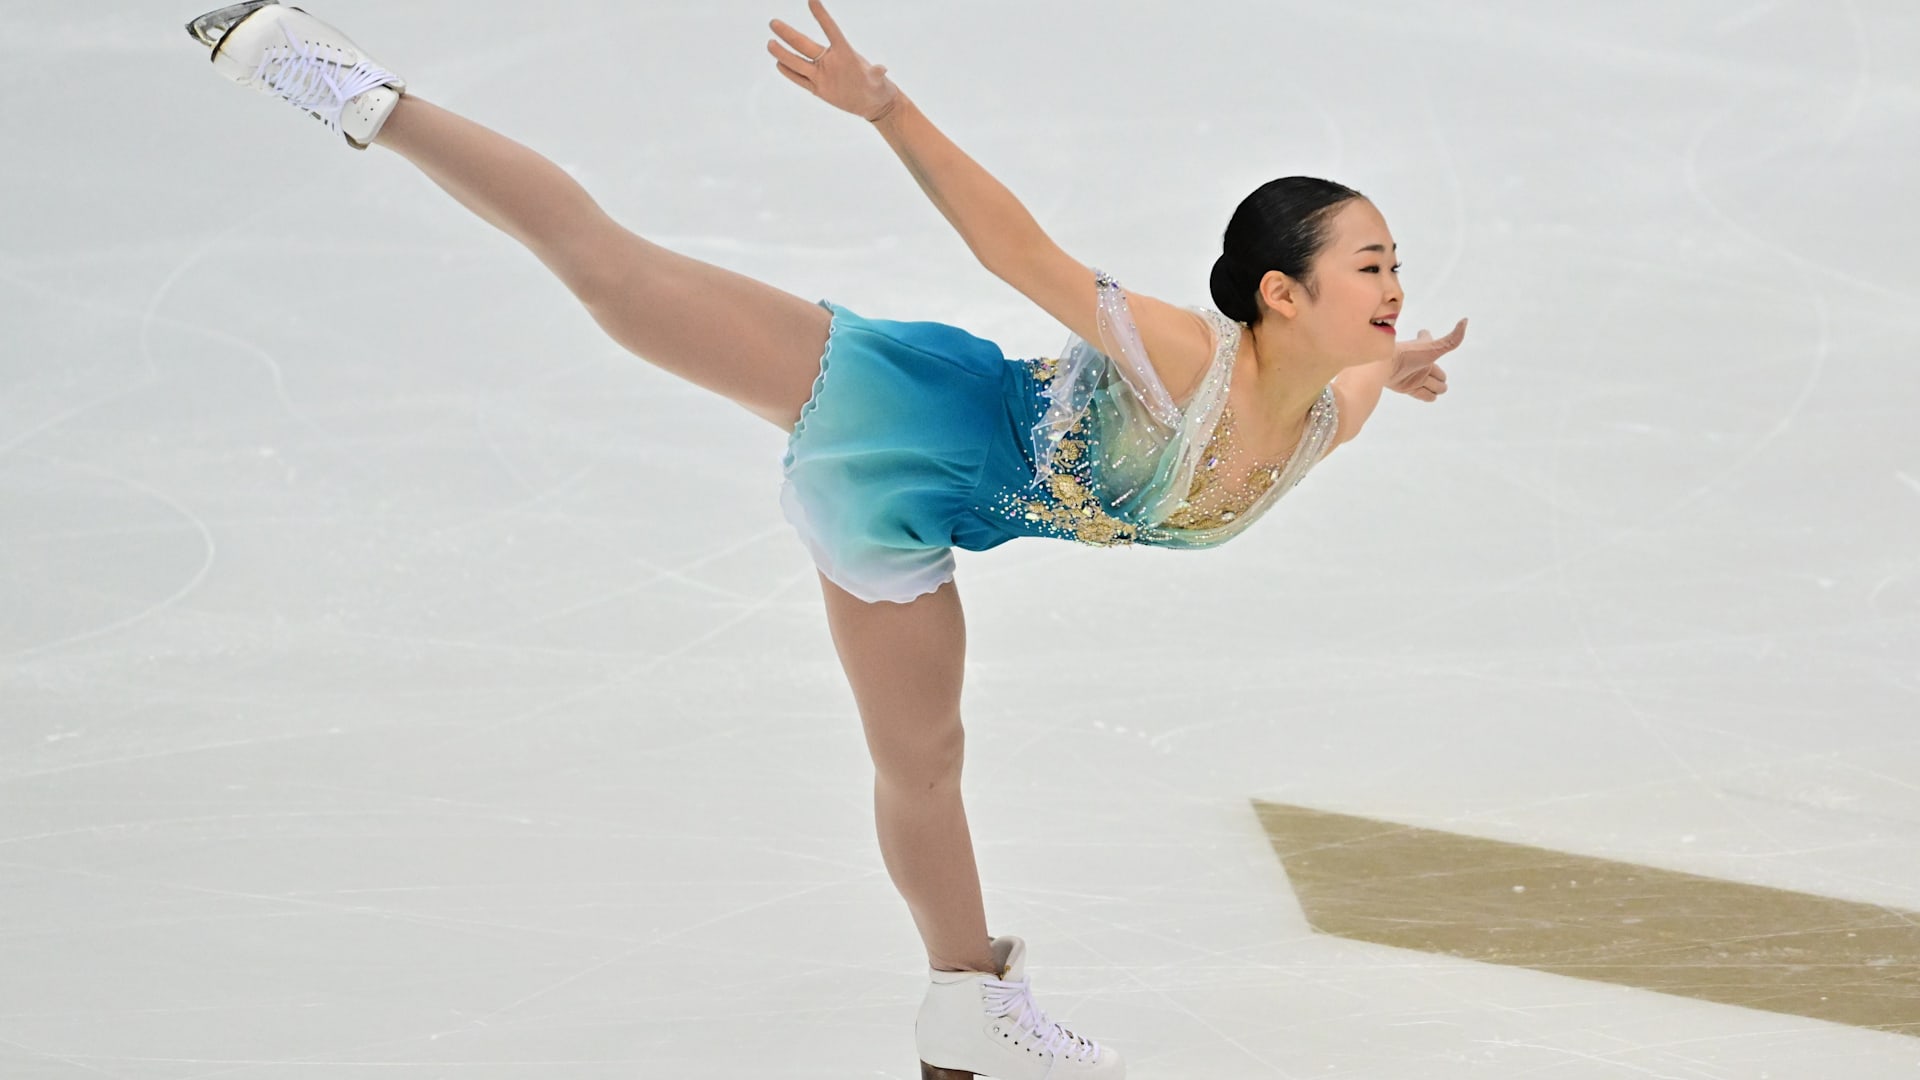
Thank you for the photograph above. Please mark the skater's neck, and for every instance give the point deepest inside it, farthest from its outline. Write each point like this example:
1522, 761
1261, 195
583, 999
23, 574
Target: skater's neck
1289, 372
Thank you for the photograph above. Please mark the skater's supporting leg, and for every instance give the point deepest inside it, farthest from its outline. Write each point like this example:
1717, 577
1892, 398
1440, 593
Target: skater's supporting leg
738, 337
904, 662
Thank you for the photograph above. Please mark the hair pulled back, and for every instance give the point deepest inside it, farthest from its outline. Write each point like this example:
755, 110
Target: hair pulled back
1281, 226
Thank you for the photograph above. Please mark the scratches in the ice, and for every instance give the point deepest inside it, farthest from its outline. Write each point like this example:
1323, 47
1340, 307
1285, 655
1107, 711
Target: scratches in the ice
746, 614
179, 593
1850, 109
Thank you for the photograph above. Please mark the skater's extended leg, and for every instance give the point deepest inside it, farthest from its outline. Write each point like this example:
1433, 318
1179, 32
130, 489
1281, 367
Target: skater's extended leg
729, 333
904, 662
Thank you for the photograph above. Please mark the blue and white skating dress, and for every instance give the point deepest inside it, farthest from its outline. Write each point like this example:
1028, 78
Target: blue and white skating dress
920, 437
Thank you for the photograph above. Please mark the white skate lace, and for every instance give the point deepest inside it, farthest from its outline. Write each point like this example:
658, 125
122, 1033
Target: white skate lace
1014, 1000
315, 78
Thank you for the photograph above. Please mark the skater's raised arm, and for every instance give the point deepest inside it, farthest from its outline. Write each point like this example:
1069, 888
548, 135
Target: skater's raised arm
996, 227
992, 222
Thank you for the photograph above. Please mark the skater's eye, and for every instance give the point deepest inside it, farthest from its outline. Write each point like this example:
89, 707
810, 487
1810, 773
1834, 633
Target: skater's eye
1375, 269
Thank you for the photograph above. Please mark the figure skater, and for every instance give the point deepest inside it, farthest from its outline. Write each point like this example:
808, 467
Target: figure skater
907, 439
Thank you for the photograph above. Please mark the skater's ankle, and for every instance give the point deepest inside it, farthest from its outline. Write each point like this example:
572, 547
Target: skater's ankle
981, 964
405, 111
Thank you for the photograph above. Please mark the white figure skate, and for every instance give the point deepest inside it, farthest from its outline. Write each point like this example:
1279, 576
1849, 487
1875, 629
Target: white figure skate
972, 1024
289, 54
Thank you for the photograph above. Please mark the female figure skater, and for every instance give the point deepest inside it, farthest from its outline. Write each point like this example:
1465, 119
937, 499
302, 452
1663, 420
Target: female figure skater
909, 438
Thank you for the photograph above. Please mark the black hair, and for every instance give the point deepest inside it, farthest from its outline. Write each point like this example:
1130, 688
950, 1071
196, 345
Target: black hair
1281, 226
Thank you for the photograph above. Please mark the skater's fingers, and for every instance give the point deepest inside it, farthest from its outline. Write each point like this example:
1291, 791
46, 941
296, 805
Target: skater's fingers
808, 48
788, 58
795, 77
834, 36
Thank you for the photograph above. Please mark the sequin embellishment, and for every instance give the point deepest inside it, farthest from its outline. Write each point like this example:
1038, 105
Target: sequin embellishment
1068, 508
1094, 404
1211, 502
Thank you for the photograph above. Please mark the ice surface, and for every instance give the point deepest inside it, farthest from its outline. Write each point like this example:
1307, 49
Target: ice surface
397, 679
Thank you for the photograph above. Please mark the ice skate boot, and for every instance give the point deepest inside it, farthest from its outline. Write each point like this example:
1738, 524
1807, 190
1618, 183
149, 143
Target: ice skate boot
289, 54
973, 1024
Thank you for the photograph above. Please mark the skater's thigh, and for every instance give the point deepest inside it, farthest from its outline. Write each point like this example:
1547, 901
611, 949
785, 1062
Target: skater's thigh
905, 663
740, 338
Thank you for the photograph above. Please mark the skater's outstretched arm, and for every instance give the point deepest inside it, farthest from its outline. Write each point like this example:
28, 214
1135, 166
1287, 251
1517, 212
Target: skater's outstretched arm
1414, 371
996, 227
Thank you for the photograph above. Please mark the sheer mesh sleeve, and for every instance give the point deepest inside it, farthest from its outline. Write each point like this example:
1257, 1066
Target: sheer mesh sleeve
1147, 444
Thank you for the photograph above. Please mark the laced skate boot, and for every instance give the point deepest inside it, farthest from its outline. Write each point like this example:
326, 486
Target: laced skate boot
972, 1024
289, 54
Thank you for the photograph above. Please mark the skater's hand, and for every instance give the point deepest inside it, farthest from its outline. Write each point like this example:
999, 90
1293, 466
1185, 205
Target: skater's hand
833, 72
1414, 371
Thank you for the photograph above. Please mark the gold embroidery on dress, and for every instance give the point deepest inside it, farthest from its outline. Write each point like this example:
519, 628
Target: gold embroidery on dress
1070, 509
1073, 509
1210, 501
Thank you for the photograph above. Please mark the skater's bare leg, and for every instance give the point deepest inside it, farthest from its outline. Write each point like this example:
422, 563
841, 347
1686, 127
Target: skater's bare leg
761, 347
904, 662
738, 337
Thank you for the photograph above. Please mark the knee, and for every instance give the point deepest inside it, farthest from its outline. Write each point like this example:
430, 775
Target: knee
921, 758
605, 265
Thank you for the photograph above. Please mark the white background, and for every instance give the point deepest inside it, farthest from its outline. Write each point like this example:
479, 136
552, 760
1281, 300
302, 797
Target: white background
397, 679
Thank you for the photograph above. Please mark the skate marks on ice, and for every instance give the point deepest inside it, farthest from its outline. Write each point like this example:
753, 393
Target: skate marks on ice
1502, 903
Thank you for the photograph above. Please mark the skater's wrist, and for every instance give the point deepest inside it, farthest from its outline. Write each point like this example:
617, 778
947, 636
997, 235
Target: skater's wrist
889, 110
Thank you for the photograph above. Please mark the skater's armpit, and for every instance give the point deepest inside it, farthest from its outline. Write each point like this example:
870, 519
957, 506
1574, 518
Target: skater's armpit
1356, 392
1179, 345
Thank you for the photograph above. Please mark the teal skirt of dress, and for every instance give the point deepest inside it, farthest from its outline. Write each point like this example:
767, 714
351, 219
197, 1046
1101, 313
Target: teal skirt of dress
912, 431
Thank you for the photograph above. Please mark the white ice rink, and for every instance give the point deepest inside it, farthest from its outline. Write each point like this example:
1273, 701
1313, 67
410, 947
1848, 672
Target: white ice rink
400, 681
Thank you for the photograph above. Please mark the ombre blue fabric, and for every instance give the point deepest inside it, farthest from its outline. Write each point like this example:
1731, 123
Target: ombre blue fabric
905, 423
919, 437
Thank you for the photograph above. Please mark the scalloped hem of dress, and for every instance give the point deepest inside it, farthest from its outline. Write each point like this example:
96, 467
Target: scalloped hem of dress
813, 392
795, 512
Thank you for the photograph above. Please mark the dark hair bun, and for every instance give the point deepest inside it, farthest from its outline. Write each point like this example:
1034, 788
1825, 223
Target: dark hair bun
1232, 294
1282, 226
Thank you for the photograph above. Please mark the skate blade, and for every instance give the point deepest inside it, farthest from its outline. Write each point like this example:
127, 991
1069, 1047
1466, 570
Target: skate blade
208, 29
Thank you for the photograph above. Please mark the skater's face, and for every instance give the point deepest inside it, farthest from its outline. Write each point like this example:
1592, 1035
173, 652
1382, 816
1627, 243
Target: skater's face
1356, 280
